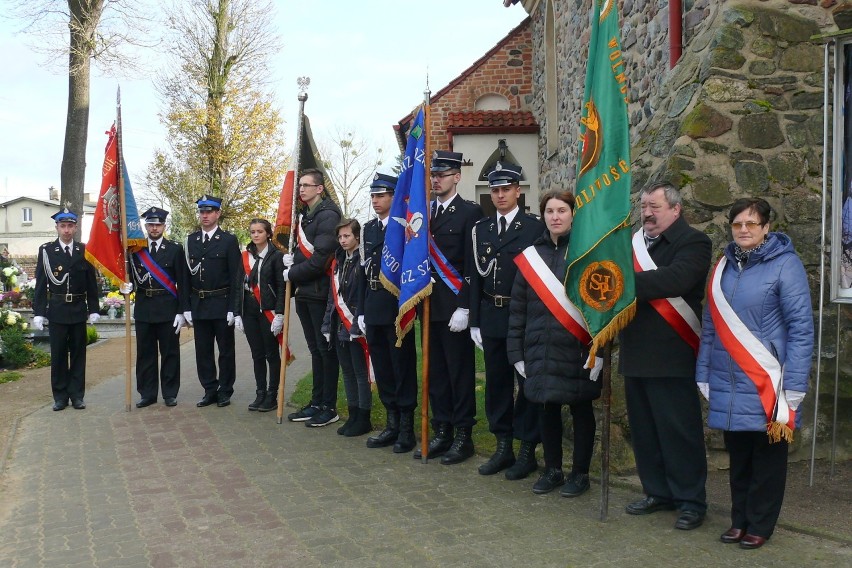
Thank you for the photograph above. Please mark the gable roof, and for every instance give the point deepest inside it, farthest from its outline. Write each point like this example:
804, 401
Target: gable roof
50, 202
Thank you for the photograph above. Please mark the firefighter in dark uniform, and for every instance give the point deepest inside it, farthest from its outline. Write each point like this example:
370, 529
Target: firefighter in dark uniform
161, 280
66, 294
496, 241
451, 355
395, 367
216, 278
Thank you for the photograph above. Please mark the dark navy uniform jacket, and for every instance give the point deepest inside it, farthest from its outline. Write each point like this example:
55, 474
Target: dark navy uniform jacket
77, 297
375, 303
494, 270
451, 233
218, 269
154, 304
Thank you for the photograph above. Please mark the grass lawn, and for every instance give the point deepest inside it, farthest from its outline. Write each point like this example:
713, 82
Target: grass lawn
483, 440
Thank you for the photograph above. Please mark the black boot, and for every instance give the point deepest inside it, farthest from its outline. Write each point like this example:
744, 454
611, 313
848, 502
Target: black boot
353, 417
362, 423
388, 436
270, 403
525, 464
261, 396
504, 456
406, 441
438, 445
462, 447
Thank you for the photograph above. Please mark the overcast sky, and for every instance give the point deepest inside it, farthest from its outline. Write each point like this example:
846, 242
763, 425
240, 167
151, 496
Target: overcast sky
367, 62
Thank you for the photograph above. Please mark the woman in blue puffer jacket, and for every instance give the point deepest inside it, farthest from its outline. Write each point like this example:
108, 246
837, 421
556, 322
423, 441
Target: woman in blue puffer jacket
753, 364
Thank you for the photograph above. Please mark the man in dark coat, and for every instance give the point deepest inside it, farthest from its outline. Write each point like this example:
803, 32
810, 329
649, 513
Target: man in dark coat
496, 241
451, 359
395, 367
161, 280
658, 362
216, 275
66, 291
307, 268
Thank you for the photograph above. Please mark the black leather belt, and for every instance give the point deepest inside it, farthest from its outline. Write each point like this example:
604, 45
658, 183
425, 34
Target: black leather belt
376, 285
210, 293
151, 292
499, 301
68, 298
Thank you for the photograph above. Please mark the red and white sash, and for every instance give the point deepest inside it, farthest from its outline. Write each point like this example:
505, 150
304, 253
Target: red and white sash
749, 353
347, 318
675, 311
552, 293
255, 290
304, 244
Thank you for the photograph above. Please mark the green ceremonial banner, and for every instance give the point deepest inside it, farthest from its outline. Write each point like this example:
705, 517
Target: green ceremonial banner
600, 279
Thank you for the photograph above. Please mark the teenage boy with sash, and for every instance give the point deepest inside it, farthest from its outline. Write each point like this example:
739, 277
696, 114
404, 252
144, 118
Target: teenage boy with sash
451, 360
496, 241
162, 295
66, 290
307, 267
395, 367
657, 358
216, 279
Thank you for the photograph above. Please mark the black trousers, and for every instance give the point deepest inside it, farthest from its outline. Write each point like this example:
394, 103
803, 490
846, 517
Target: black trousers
152, 371
356, 375
68, 361
758, 477
324, 364
208, 331
395, 367
583, 416
451, 372
507, 415
668, 439
265, 351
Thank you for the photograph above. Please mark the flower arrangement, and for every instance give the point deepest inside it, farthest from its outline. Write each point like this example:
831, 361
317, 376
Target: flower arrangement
114, 300
12, 319
10, 276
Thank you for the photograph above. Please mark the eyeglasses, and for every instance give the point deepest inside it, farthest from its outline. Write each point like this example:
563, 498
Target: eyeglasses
438, 176
750, 225
301, 185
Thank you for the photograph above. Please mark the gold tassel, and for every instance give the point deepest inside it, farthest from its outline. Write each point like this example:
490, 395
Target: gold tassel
778, 431
611, 330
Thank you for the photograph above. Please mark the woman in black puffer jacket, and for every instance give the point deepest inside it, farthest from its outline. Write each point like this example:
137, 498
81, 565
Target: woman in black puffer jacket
551, 358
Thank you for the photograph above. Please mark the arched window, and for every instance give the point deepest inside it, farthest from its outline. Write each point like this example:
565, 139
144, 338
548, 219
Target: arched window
491, 101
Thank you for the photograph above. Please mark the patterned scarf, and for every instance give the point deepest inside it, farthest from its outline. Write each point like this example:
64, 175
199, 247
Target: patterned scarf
741, 255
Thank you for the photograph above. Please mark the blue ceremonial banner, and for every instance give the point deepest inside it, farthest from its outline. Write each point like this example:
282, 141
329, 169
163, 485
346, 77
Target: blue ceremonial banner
405, 256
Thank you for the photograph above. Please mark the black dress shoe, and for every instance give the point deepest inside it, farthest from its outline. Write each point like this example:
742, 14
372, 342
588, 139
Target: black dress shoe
503, 458
207, 400
751, 541
648, 505
78, 404
60, 405
146, 402
732, 535
689, 519
171, 402
223, 401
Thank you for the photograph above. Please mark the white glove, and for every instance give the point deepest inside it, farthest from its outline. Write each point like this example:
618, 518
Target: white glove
476, 335
327, 337
288, 259
238, 323
93, 318
794, 398
705, 390
286, 274
277, 324
230, 318
125, 288
596, 370
362, 324
178, 323
519, 367
458, 321
38, 322
187, 316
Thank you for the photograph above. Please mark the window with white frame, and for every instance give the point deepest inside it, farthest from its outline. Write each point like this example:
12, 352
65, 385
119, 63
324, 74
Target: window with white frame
27, 215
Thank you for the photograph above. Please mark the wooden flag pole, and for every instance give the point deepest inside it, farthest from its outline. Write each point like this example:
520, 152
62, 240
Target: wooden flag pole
123, 216
606, 396
427, 302
303, 83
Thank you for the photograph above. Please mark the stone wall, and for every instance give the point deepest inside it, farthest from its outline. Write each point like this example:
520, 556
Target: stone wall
739, 115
